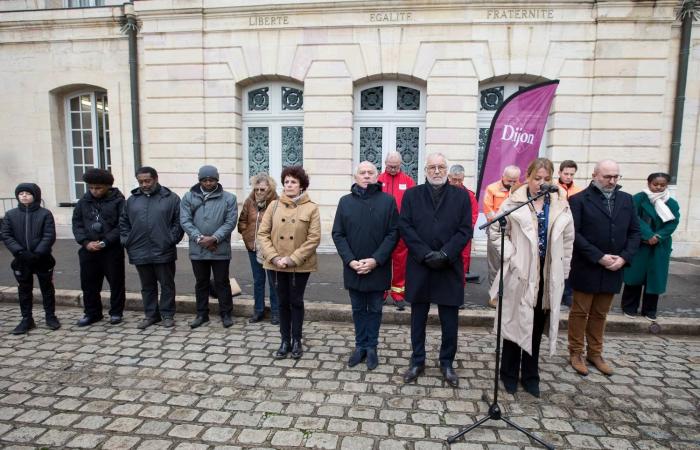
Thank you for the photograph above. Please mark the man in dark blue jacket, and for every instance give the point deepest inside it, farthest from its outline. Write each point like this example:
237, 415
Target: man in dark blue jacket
365, 232
101, 255
436, 225
150, 230
29, 232
607, 237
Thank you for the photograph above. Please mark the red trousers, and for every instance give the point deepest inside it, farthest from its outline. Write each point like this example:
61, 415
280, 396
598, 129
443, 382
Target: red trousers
398, 270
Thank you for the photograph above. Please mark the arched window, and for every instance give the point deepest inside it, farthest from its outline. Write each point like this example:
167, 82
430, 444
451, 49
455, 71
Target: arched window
87, 131
491, 97
273, 128
389, 116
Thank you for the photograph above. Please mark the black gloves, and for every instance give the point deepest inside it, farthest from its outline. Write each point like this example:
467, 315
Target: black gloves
27, 257
436, 260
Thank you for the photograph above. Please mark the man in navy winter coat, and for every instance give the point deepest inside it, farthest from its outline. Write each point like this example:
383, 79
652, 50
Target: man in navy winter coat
365, 232
150, 230
607, 237
435, 223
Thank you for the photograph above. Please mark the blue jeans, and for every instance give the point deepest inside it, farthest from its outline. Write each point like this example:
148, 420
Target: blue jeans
367, 317
259, 286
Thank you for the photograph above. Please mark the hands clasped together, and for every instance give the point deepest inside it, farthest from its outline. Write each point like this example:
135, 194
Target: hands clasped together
612, 262
363, 266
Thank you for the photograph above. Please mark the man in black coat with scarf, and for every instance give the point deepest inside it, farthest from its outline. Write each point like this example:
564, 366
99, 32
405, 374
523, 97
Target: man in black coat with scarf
365, 232
436, 225
607, 237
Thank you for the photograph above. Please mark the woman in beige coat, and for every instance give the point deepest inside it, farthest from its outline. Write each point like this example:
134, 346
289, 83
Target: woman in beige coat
539, 240
288, 236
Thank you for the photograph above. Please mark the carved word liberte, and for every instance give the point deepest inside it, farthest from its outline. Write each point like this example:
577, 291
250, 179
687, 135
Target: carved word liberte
396, 16
267, 21
529, 13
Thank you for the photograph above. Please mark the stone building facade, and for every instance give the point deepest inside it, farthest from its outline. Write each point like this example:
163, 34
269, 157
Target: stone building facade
258, 84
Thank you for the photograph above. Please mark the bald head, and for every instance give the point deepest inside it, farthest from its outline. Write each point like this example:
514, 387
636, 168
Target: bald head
392, 163
365, 174
606, 174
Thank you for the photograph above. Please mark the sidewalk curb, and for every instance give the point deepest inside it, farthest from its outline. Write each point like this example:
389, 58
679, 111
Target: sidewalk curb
331, 312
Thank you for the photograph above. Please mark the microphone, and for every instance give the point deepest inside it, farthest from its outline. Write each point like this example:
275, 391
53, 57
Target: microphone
548, 188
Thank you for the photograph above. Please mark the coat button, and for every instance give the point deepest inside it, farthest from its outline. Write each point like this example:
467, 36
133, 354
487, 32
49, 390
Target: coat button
281, 237
283, 219
291, 237
292, 220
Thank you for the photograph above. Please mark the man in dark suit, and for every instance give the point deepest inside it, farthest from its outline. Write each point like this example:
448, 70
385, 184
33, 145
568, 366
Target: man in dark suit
435, 223
607, 236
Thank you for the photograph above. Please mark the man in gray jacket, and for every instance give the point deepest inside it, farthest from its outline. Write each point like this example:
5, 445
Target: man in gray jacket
208, 215
150, 230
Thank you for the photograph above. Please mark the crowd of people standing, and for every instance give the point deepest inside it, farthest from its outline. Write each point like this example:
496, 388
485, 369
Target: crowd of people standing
398, 242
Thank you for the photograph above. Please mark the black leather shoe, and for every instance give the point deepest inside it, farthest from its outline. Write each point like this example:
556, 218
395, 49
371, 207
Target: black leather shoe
450, 376
297, 350
275, 320
227, 320
53, 323
372, 359
281, 353
115, 319
256, 317
199, 321
412, 373
511, 386
87, 320
532, 389
357, 356
24, 326
147, 322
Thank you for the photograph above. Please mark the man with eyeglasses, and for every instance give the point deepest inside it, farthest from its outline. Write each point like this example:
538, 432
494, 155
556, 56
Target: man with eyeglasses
435, 222
396, 183
607, 237
208, 215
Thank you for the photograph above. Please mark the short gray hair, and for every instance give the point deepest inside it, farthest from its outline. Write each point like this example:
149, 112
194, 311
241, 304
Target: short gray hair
357, 169
457, 169
393, 154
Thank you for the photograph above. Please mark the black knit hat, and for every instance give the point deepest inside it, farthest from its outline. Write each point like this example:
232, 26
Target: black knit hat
98, 176
31, 188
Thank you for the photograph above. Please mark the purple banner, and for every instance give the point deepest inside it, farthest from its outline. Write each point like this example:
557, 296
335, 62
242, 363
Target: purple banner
516, 132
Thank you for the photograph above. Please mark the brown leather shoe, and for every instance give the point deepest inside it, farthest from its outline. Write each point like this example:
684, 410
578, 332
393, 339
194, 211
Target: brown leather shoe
578, 364
600, 364
493, 303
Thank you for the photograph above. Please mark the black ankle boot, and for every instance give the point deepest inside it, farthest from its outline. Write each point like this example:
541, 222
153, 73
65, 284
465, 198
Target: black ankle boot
297, 351
281, 353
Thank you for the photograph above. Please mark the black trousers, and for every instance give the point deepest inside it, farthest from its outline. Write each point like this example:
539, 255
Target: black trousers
151, 275
219, 268
24, 274
94, 268
290, 287
449, 318
514, 359
630, 300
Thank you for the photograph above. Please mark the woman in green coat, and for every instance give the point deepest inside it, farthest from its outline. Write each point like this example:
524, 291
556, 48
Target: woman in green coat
658, 218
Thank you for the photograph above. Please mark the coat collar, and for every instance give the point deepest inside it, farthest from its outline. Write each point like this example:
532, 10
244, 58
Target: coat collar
371, 189
596, 196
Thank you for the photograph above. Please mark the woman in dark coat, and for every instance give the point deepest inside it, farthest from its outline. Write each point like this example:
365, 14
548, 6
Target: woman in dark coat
658, 218
365, 232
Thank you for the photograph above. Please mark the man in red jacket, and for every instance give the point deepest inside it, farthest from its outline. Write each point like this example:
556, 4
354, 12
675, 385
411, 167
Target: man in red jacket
395, 183
456, 178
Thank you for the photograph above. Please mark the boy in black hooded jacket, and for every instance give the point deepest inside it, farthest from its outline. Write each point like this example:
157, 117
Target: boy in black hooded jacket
29, 232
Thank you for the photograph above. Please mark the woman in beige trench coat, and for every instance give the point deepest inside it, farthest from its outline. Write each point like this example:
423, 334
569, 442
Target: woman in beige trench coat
538, 245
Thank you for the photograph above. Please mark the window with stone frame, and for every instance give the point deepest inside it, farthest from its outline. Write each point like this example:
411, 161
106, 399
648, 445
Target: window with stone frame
390, 115
87, 135
273, 127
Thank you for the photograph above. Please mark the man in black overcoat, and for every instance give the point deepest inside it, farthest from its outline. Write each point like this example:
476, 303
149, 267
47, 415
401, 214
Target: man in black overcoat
435, 223
607, 237
365, 232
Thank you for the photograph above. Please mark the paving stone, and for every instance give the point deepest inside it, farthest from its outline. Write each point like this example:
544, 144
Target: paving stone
55, 438
155, 444
120, 443
342, 425
218, 434
23, 434
322, 440
86, 440
356, 443
154, 427
93, 422
186, 431
33, 416
250, 436
409, 431
124, 424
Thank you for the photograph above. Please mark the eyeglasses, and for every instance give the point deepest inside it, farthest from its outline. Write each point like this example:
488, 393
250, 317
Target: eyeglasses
260, 189
436, 168
612, 177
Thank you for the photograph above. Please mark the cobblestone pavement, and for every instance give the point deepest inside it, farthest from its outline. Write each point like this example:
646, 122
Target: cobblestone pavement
118, 387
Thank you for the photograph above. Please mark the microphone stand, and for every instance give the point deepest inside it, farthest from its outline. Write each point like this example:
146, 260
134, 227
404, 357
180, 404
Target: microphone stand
495, 410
